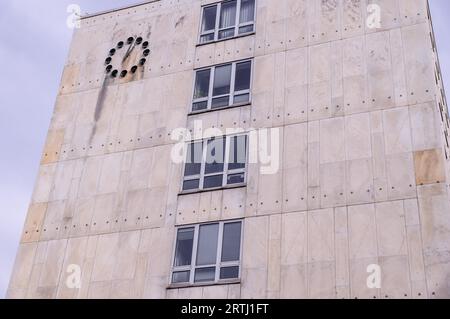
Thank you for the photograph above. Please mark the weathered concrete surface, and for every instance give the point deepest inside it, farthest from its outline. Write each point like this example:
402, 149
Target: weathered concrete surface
364, 177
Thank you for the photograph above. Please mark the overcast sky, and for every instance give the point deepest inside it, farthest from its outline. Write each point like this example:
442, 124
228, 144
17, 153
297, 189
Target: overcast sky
34, 42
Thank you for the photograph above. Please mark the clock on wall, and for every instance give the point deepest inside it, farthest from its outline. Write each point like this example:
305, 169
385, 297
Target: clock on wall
127, 57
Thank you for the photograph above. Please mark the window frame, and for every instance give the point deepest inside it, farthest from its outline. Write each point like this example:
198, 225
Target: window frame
218, 265
209, 99
226, 172
217, 28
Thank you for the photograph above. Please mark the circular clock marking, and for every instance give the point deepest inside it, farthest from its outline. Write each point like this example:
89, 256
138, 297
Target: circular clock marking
126, 57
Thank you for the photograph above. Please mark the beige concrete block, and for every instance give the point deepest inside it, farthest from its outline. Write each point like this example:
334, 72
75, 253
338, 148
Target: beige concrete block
357, 137
105, 258
100, 290
321, 236
401, 177
391, 229
53, 263
359, 180
395, 279
294, 239
294, 282
254, 283
397, 131
425, 127
110, 175
429, 167
341, 247
416, 261
255, 243
434, 207
34, 222
44, 183
362, 231
215, 292
332, 184
126, 256
234, 292
155, 288
52, 149
23, 266
321, 280
332, 141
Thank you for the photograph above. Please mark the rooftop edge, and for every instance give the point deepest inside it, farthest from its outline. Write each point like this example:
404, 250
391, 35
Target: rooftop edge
87, 16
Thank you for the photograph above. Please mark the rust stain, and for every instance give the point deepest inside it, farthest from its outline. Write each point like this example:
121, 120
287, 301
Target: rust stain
429, 167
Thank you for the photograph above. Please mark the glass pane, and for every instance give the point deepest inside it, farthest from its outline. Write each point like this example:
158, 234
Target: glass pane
222, 80
246, 29
207, 38
228, 33
199, 106
247, 11
231, 247
183, 250
236, 179
228, 14
181, 277
238, 152
229, 273
243, 74
243, 98
207, 244
209, 19
215, 156
220, 102
213, 181
191, 185
202, 84
205, 274
193, 159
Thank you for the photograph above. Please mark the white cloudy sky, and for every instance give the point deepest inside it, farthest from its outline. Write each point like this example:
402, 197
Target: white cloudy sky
34, 42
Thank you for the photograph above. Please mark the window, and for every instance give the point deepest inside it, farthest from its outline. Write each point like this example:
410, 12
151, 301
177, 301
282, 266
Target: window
216, 163
208, 253
227, 19
222, 86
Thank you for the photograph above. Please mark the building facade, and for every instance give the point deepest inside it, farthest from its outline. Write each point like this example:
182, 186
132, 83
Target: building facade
327, 175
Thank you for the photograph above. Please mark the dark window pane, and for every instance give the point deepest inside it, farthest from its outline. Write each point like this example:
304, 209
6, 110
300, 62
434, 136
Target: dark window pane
243, 72
231, 247
236, 179
191, 185
207, 244
213, 181
229, 273
183, 250
199, 106
181, 277
222, 80
202, 84
220, 102
207, 38
193, 159
215, 156
228, 33
238, 152
228, 14
243, 98
209, 19
247, 13
246, 29
205, 274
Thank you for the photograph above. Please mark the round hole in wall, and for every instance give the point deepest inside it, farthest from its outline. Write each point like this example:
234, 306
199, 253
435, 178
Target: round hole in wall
139, 40
145, 45
130, 40
108, 60
134, 69
112, 52
120, 45
114, 73
146, 52
142, 62
108, 68
123, 73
